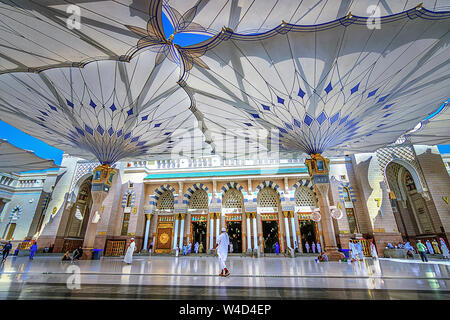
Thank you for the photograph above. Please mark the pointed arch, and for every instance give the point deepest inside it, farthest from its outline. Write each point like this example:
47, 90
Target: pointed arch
190, 191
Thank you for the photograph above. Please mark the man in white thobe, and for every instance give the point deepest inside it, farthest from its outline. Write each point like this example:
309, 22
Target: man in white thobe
307, 247
314, 247
373, 250
222, 243
129, 254
429, 247
319, 249
359, 248
196, 247
353, 251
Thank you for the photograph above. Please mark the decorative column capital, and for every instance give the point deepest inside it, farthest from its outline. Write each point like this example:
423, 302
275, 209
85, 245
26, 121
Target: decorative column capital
148, 216
217, 215
286, 214
253, 215
322, 188
212, 215
182, 215
248, 215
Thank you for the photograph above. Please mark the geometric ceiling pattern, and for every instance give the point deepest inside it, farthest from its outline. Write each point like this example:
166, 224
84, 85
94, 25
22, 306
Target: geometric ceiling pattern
109, 109
321, 81
338, 88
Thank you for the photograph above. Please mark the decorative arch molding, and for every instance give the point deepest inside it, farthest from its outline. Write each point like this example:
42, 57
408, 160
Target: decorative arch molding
190, 191
412, 170
304, 183
76, 186
231, 185
125, 198
351, 191
16, 213
269, 184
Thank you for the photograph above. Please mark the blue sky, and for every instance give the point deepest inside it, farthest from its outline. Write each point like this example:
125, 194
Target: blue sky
41, 149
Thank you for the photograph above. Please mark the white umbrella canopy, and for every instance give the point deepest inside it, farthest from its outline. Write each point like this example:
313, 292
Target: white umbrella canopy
36, 35
249, 16
433, 130
15, 159
338, 88
108, 110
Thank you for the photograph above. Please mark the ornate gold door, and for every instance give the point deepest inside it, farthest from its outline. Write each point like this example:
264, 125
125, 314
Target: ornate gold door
164, 240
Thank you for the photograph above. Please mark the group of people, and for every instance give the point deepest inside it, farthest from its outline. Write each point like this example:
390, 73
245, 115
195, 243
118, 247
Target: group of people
187, 249
76, 255
429, 247
313, 246
8, 246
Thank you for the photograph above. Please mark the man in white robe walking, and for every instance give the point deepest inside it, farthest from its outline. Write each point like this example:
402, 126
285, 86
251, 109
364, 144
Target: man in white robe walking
314, 247
373, 250
307, 247
129, 254
319, 249
222, 243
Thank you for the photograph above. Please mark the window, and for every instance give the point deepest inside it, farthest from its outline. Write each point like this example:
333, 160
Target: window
126, 220
351, 220
267, 197
232, 199
346, 194
166, 201
409, 181
129, 198
304, 197
199, 200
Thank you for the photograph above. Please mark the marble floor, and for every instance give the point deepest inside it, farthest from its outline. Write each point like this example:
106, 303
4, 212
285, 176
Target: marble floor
164, 277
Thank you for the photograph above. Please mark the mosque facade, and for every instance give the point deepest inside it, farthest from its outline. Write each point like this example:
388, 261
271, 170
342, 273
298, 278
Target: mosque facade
399, 193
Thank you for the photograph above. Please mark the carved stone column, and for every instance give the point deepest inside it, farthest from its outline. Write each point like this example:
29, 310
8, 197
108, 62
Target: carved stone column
182, 215
318, 168
148, 217
249, 236
175, 233
102, 180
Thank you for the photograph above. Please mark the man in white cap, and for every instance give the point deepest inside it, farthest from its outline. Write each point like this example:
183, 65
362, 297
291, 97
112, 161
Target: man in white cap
129, 255
222, 243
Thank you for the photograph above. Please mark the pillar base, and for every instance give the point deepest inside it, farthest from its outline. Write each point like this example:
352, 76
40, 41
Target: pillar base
334, 255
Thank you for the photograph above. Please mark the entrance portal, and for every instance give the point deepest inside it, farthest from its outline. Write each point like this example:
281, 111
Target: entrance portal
270, 235
234, 230
308, 232
199, 233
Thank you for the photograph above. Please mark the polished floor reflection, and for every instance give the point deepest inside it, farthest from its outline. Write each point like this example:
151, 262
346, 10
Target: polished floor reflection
163, 277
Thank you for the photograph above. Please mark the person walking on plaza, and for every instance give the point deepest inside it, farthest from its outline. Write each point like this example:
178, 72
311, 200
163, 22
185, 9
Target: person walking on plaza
429, 247
33, 250
222, 243
422, 251
6, 248
353, 251
319, 248
373, 250
129, 255
200, 248
314, 247
359, 249
435, 247
184, 250
277, 248
196, 247
189, 247
444, 249
307, 246
66, 256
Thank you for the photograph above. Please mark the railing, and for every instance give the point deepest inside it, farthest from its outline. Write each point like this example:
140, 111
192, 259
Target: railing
209, 162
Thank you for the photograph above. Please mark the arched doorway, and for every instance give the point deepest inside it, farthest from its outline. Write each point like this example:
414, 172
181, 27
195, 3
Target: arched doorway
164, 233
78, 217
411, 214
233, 202
269, 202
309, 232
199, 205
